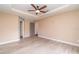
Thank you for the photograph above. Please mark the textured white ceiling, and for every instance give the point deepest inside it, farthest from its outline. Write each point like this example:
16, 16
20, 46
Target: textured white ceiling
25, 7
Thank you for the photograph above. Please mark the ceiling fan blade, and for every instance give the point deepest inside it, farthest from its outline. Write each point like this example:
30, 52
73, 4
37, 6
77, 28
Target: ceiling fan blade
31, 10
43, 11
43, 7
34, 6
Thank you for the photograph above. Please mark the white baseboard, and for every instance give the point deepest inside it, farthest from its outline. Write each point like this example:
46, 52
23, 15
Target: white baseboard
61, 41
9, 41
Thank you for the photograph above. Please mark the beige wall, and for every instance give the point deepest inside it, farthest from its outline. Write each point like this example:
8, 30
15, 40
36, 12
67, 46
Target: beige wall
64, 27
26, 28
8, 28
36, 27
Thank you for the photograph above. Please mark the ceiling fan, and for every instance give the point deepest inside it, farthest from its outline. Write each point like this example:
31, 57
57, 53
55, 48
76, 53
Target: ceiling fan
37, 9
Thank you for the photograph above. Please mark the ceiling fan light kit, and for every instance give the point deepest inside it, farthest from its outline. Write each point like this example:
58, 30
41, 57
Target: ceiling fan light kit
37, 11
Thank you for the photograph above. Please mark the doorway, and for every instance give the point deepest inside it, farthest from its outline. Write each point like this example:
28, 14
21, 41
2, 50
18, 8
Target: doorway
21, 27
32, 29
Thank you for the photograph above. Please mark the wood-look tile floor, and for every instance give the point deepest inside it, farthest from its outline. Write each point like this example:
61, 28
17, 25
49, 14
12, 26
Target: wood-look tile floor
36, 45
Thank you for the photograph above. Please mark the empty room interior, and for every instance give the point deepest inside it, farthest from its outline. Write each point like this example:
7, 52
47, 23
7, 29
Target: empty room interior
39, 28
